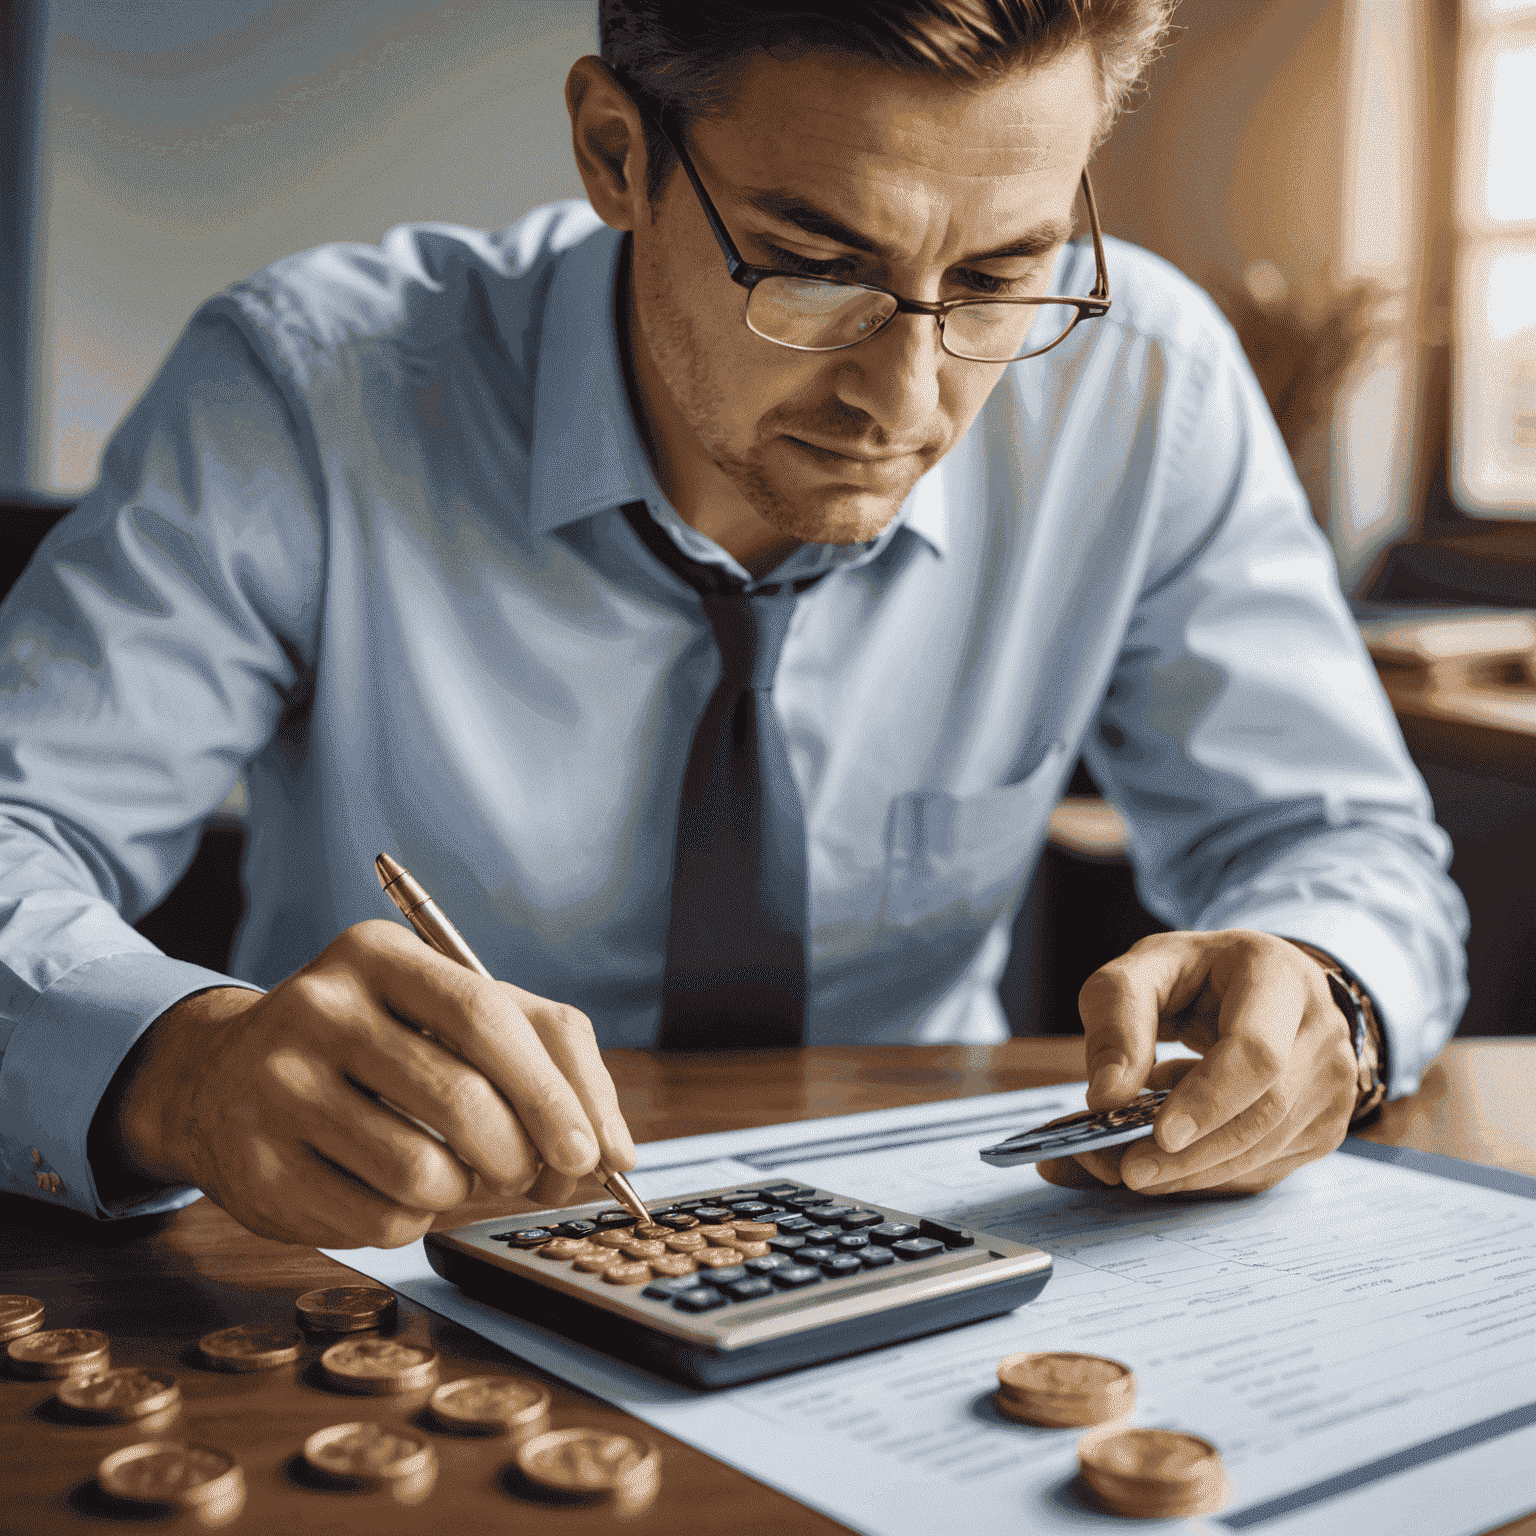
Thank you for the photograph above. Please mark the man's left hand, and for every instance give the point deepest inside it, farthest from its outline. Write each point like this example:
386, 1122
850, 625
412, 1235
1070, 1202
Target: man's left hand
1276, 1082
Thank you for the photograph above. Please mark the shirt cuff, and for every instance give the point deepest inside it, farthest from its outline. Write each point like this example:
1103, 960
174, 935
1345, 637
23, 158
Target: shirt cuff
1374, 957
60, 1059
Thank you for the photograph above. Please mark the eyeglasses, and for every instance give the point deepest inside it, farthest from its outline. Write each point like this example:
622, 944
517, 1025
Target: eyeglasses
822, 314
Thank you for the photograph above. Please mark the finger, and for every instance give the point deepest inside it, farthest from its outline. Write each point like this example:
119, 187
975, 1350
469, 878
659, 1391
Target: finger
1146, 1164
569, 1038
358, 1216
1121, 1005
1263, 1002
551, 1189
1168, 1074
1067, 1173
423, 1080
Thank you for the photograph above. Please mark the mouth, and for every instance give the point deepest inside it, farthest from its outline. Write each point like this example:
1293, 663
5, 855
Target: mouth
848, 458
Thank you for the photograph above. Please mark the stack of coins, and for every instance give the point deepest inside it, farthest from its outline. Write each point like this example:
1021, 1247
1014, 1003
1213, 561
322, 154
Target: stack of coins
368, 1456
58, 1352
346, 1309
19, 1315
593, 1463
493, 1405
115, 1397
1152, 1473
379, 1367
194, 1477
1064, 1390
250, 1347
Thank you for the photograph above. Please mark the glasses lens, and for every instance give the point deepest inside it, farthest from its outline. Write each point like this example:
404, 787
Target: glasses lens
816, 315
999, 333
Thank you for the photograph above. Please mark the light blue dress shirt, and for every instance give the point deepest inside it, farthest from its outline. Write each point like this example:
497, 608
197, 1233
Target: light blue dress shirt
360, 541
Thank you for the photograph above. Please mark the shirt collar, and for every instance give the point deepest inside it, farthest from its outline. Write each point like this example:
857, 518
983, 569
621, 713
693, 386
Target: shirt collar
586, 455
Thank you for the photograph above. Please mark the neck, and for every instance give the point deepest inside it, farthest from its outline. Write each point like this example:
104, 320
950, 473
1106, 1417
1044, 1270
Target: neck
702, 495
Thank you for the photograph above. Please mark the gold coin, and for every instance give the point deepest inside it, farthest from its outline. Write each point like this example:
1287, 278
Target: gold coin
718, 1236
346, 1308
19, 1315
686, 1242
1152, 1472
57, 1352
114, 1397
369, 1454
674, 1265
379, 1366
494, 1404
565, 1248
651, 1232
643, 1250
755, 1231
587, 1460
633, 1273
250, 1347
598, 1260
155, 1472
717, 1258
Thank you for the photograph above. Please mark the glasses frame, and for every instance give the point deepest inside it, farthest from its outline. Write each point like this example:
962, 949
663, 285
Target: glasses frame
745, 275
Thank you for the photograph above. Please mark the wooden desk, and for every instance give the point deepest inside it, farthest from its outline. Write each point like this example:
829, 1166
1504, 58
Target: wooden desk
155, 1285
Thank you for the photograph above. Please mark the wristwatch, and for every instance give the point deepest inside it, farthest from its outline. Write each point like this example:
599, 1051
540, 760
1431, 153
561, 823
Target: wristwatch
1354, 1002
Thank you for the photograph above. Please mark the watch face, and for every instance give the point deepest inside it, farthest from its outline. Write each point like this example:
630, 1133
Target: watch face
1086, 1131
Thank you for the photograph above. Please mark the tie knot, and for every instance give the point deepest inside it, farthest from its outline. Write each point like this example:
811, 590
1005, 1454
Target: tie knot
750, 629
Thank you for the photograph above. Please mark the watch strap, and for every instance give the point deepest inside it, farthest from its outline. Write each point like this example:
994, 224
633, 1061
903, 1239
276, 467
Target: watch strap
1366, 1035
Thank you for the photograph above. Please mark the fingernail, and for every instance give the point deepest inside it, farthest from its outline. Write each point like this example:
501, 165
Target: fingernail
616, 1135
1143, 1171
578, 1152
1104, 1080
1178, 1131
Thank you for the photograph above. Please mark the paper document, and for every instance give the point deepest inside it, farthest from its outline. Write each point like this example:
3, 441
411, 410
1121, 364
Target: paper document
1359, 1342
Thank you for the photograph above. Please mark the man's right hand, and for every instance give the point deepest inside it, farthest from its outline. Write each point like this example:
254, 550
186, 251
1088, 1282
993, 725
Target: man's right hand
269, 1102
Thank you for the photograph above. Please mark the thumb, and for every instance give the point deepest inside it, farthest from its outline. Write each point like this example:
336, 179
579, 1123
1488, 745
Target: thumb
1119, 1009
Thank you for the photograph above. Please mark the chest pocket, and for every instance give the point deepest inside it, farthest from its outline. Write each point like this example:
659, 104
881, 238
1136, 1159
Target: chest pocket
957, 860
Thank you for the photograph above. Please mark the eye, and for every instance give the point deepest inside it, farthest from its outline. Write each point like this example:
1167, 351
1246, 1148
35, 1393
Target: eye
790, 262
997, 287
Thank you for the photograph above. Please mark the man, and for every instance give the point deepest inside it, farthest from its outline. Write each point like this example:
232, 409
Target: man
443, 543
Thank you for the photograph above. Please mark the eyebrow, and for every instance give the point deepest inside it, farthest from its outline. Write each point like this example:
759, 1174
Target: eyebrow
791, 209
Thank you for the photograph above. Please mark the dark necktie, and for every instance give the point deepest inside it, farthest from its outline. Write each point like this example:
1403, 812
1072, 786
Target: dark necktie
736, 940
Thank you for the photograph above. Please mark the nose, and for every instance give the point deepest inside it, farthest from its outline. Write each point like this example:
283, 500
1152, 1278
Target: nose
894, 377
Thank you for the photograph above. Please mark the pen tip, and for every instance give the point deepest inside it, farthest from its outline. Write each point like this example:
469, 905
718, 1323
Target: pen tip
389, 870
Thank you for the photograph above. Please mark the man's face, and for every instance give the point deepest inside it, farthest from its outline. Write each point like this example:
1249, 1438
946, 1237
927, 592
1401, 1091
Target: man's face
850, 170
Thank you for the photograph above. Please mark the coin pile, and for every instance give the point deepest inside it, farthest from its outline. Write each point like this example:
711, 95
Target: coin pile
58, 1352
1152, 1473
366, 1455
19, 1315
346, 1309
493, 1405
250, 1347
1062, 1390
116, 1397
194, 1477
593, 1463
379, 1367
674, 1245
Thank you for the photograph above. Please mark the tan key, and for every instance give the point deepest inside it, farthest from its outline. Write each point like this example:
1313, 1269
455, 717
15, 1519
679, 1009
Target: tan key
687, 1242
755, 1231
718, 1258
633, 1273
674, 1265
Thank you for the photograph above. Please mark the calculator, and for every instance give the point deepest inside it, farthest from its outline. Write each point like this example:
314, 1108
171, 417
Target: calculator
781, 1276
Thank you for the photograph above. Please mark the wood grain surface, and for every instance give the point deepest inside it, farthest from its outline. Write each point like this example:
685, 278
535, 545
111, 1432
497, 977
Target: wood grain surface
155, 1285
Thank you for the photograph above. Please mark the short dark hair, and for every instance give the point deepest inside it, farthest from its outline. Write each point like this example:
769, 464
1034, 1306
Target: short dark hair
682, 56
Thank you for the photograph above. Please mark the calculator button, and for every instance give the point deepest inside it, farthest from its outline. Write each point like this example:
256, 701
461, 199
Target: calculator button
856, 1221
749, 1289
821, 1234
814, 1253
678, 1221
664, 1289
750, 1209
712, 1215
917, 1247
700, 1299
795, 1276
526, 1237
725, 1273
768, 1263
889, 1232
575, 1228
875, 1258
783, 1244
842, 1264
786, 1189
795, 1224
948, 1234
606, 1219
851, 1240
806, 1202
832, 1215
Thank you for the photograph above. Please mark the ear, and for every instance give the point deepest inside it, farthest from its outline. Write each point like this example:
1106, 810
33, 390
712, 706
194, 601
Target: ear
609, 143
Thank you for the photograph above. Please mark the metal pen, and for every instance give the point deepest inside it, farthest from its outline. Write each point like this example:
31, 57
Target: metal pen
426, 917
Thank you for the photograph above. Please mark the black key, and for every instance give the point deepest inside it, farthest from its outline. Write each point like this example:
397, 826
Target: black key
750, 1209
814, 1253
889, 1232
842, 1264
725, 1274
575, 1228
948, 1234
805, 1202
853, 1240
712, 1215
663, 1289
795, 1224
699, 1299
821, 1234
662, 1210
526, 1237
875, 1258
856, 1220
679, 1221
749, 1289
917, 1247
796, 1275
786, 1189
768, 1263
832, 1215
786, 1244
686, 1205
606, 1219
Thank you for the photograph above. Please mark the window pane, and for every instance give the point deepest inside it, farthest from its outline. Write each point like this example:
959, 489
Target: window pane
1511, 184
